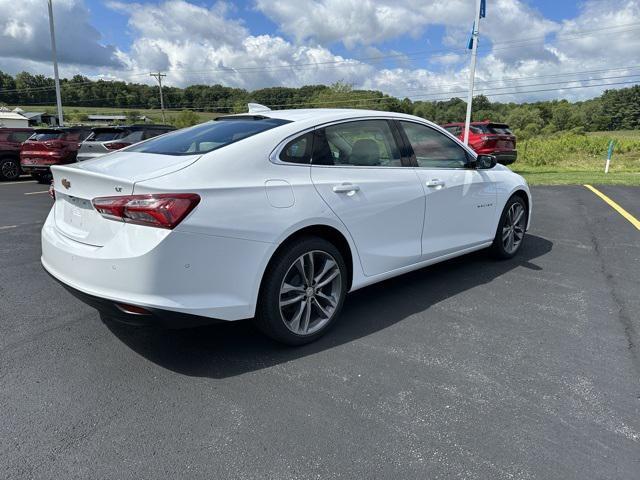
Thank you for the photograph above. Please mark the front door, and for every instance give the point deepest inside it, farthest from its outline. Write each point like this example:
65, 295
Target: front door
461, 202
357, 169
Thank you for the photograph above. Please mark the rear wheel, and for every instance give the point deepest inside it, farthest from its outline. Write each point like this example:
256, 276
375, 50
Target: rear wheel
9, 169
302, 292
511, 228
42, 177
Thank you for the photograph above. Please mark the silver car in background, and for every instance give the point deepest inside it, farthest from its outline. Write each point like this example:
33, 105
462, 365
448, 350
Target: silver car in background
105, 140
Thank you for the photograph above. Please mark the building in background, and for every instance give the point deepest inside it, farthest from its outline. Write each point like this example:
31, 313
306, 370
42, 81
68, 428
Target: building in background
12, 119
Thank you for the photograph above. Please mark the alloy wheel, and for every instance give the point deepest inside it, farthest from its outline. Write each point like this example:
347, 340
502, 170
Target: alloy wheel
310, 292
513, 228
9, 170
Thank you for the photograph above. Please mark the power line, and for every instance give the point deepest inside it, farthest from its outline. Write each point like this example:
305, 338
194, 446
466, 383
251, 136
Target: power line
355, 62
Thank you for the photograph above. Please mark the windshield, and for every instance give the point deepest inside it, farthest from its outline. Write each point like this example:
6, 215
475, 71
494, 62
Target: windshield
207, 136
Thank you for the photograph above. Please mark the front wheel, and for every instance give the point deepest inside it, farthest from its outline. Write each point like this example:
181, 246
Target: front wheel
9, 169
302, 292
511, 229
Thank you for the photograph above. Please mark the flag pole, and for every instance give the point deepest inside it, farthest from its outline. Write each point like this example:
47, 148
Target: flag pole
55, 65
472, 72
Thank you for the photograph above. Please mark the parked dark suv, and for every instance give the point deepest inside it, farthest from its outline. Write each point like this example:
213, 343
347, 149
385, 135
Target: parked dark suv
51, 146
488, 138
105, 140
10, 143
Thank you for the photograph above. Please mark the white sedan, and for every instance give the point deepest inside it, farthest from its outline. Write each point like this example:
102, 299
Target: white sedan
275, 216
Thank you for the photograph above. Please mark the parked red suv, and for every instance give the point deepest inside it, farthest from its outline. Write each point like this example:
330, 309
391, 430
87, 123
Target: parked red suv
51, 146
10, 142
488, 138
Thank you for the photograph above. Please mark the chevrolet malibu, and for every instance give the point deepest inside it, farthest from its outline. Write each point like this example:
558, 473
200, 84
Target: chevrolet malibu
275, 216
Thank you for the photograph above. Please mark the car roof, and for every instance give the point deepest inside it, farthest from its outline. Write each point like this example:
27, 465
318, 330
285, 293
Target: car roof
16, 129
320, 114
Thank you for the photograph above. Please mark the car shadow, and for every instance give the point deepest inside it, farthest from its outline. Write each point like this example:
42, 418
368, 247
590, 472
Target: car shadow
234, 348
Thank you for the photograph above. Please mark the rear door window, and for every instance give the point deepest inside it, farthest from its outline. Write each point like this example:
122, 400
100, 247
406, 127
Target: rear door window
363, 143
207, 136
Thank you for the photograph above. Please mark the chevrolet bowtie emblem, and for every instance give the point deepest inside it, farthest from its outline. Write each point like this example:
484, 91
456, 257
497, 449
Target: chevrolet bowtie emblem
66, 183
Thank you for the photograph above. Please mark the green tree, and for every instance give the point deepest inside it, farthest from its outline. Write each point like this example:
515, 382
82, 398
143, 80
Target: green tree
186, 118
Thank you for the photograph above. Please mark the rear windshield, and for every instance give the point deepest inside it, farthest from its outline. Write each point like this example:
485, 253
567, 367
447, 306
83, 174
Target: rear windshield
207, 136
106, 135
494, 128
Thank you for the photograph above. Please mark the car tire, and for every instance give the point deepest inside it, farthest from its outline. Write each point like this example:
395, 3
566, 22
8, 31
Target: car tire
9, 169
296, 309
511, 229
44, 178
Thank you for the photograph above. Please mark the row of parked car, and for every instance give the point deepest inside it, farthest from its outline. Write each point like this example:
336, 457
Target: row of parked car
29, 151
24, 150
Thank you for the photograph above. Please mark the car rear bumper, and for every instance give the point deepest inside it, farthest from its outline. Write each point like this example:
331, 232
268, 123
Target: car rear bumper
170, 273
155, 317
506, 157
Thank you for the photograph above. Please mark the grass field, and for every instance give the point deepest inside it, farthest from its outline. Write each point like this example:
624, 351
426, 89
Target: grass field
577, 159
559, 159
155, 115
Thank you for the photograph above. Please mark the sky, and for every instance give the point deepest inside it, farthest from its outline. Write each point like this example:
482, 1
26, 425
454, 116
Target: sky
529, 50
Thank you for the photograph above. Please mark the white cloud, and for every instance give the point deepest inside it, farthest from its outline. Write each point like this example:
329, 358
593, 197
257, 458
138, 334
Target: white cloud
210, 44
24, 34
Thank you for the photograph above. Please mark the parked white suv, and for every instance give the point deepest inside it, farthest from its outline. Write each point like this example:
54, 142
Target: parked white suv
274, 216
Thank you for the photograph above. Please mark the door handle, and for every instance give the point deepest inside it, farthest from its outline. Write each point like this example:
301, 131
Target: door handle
435, 183
346, 188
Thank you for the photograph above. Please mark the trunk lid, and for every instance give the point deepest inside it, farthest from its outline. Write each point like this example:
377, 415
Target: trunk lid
78, 184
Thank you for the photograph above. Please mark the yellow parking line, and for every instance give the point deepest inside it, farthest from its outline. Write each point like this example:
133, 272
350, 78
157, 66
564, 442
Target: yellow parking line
35, 193
633, 220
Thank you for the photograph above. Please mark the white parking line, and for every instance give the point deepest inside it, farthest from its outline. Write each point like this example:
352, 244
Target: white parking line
7, 227
17, 183
35, 193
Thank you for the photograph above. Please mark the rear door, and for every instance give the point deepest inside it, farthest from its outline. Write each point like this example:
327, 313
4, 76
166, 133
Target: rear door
460, 201
358, 170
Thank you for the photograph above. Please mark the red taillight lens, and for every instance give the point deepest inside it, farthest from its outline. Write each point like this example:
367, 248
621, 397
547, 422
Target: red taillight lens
116, 145
52, 191
165, 210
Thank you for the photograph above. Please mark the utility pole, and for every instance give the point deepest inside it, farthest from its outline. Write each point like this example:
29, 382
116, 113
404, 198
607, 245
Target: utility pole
159, 76
55, 65
474, 57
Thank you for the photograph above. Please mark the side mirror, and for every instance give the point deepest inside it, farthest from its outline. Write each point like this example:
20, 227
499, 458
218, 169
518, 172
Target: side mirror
485, 162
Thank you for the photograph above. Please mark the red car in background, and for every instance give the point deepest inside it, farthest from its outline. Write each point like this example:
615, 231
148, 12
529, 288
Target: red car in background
10, 143
51, 146
488, 138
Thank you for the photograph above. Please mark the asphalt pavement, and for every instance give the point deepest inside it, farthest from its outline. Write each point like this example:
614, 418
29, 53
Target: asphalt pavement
471, 369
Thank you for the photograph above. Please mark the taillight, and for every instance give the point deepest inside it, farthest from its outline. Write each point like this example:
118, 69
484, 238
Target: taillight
164, 210
52, 191
116, 145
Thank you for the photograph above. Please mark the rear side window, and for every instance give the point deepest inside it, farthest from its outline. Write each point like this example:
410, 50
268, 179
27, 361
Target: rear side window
45, 136
434, 149
298, 150
208, 136
365, 143
455, 131
20, 136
